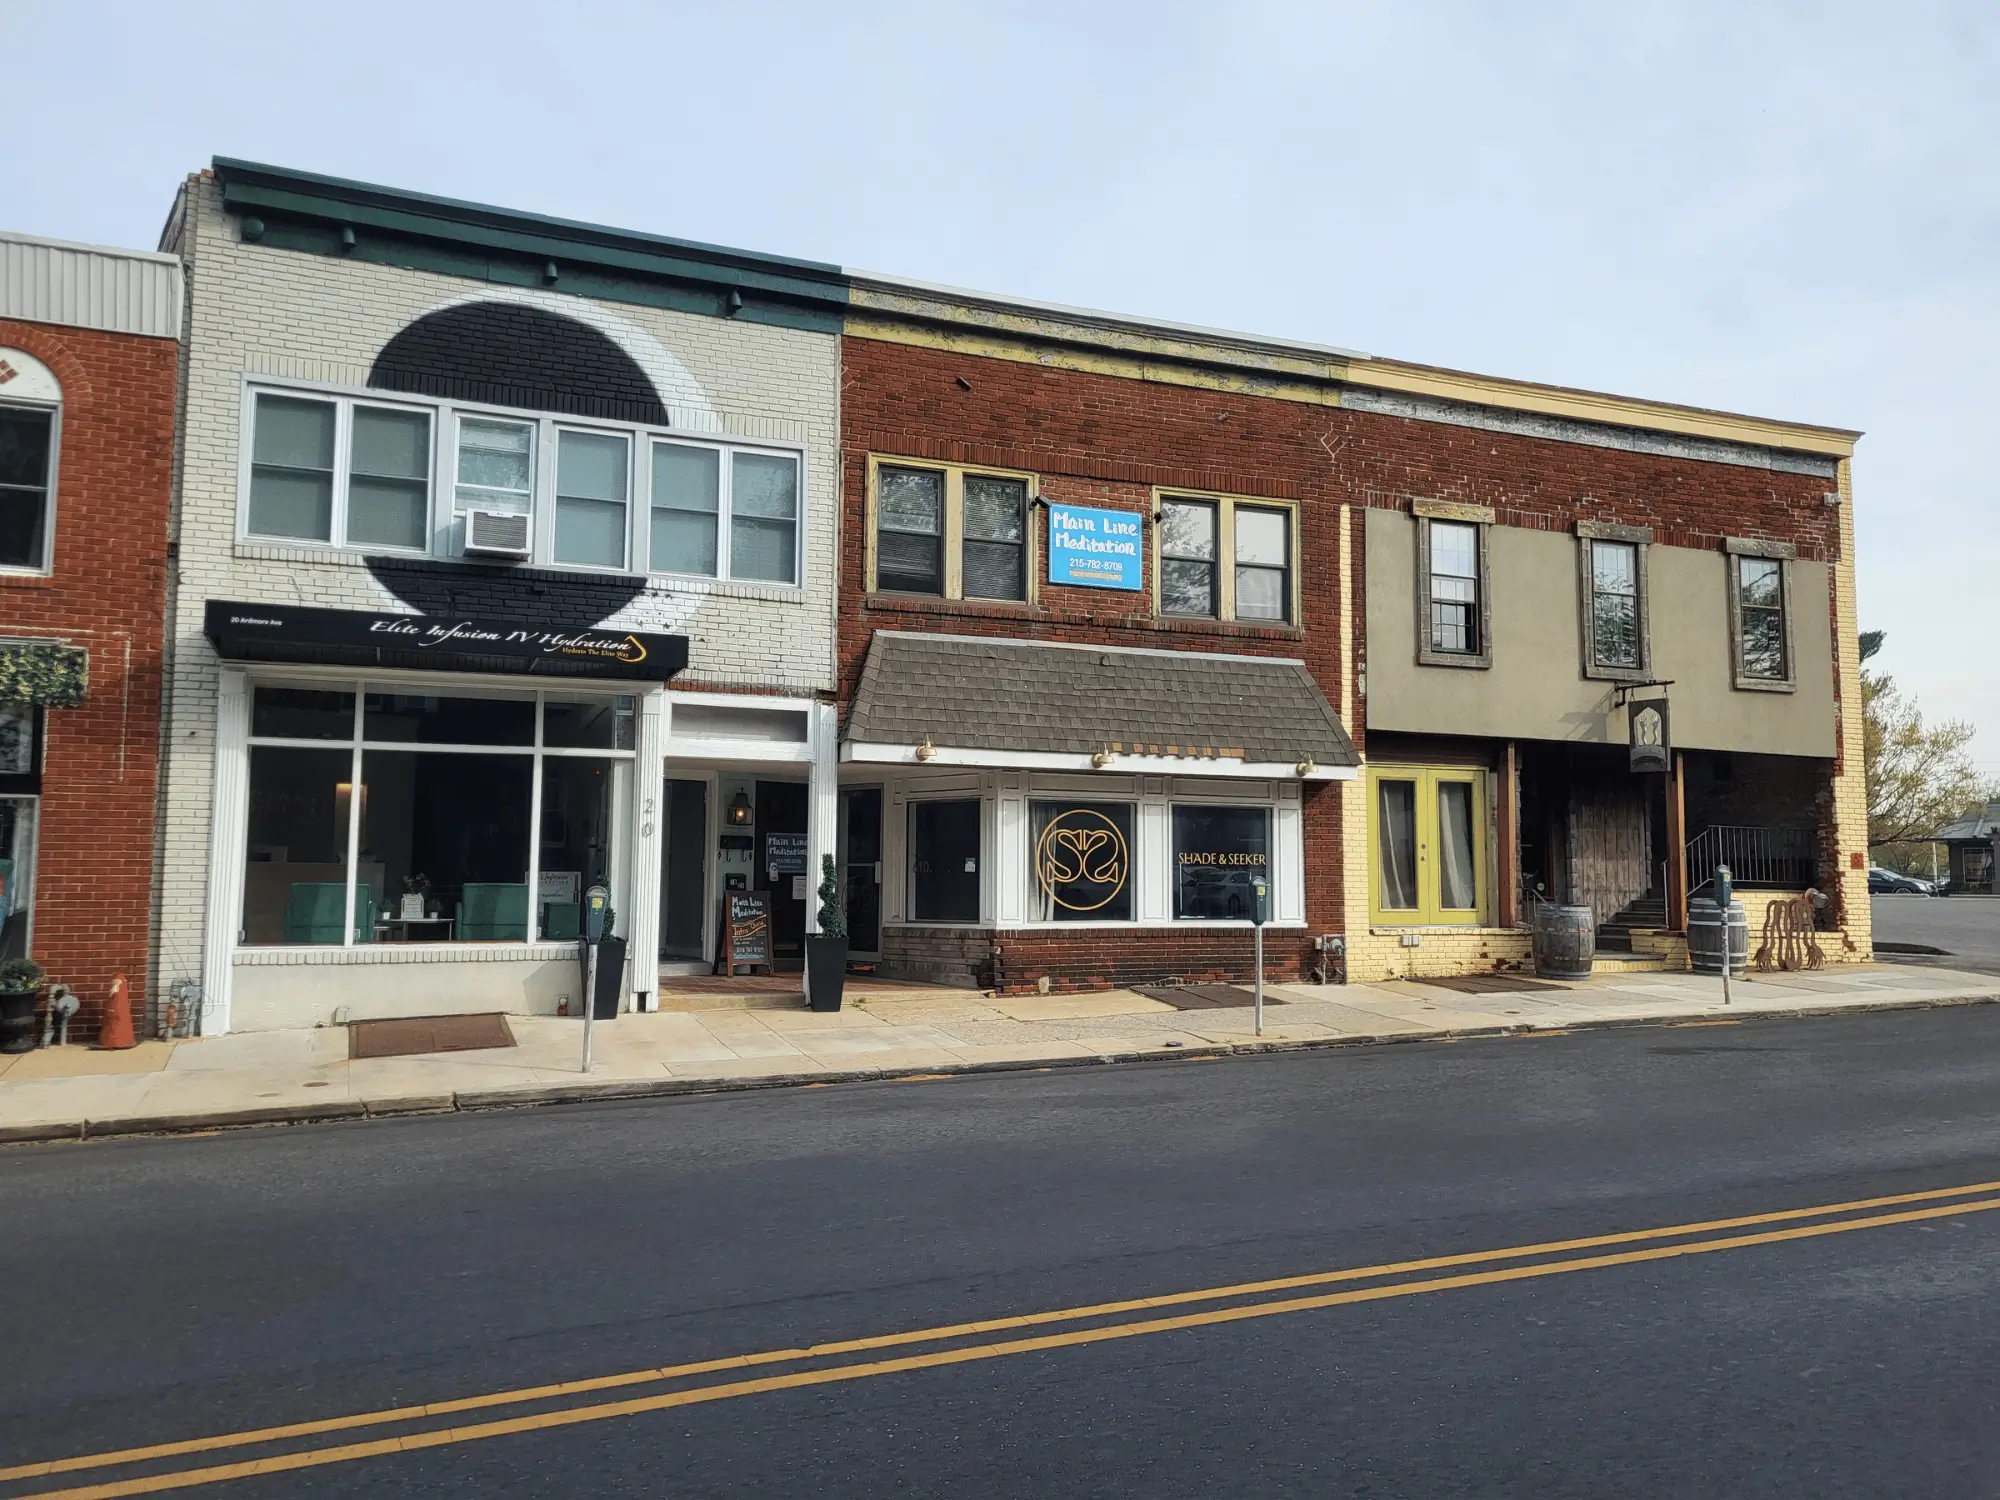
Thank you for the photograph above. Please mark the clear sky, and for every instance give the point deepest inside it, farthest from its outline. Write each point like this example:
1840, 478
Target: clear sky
1789, 210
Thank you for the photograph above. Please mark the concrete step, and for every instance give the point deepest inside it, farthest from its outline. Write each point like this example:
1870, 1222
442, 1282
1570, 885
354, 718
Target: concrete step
1628, 963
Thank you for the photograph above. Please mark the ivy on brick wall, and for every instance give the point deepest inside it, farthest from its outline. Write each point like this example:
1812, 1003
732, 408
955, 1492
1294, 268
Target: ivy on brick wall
42, 672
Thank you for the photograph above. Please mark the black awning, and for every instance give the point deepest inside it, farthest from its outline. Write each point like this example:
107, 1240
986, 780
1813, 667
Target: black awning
364, 638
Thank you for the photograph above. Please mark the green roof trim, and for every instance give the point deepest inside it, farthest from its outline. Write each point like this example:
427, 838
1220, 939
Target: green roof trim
308, 212
43, 672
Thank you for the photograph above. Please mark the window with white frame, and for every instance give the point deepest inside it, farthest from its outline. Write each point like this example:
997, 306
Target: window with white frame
361, 472
1218, 852
377, 814
29, 429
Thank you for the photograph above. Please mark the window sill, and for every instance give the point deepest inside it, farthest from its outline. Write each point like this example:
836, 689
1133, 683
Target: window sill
929, 604
1765, 685
405, 953
659, 584
1465, 661
1240, 629
25, 578
1169, 924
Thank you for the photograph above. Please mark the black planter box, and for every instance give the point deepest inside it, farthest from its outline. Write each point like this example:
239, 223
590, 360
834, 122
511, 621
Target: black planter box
610, 975
826, 971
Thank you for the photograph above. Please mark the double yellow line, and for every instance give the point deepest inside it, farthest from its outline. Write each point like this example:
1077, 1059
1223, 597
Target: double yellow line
1861, 1214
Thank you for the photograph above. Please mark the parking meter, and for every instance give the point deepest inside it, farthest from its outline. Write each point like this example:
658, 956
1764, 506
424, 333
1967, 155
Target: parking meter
1723, 897
1260, 913
596, 907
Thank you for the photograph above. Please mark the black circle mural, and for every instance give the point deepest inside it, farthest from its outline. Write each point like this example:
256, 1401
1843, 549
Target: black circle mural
508, 354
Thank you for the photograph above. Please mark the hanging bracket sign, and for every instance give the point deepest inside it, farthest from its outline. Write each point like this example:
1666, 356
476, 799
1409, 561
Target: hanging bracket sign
1651, 745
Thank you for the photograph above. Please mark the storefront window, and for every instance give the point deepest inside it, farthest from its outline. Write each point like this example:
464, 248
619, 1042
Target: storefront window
1218, 851
17, 874
295, 879
944, 861
17, 739
576, 848
452, 830
1082, 861
447, 847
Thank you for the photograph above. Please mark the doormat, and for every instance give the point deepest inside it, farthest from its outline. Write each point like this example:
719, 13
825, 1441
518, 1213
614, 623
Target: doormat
1205, 996
1486, 984
419, 1034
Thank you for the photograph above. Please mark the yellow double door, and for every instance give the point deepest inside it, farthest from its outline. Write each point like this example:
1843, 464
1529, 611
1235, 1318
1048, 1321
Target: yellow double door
1427, 834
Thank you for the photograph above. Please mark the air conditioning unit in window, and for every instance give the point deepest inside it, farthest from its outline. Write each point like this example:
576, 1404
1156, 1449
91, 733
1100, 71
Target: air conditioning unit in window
496, 533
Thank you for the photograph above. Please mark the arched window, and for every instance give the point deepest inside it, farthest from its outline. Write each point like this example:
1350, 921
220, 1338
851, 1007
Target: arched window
30, 428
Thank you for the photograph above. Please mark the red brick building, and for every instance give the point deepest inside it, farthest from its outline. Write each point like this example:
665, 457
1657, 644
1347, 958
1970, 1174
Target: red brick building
1495, 592
88, 368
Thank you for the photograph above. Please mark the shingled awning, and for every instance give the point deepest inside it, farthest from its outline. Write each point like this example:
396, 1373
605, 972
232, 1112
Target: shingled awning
964, 700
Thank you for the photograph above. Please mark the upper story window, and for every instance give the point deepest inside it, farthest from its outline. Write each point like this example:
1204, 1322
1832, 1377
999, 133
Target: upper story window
949, 532
1220, 558
1760, 614
30, 424
350, 471
1616, 636
1454, 617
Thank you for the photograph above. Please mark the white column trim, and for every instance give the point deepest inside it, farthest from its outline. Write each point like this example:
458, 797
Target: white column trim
229, 814
648, 791
822, 801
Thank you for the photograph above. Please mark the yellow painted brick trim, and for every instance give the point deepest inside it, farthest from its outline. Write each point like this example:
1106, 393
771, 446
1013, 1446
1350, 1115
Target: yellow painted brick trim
1247, 366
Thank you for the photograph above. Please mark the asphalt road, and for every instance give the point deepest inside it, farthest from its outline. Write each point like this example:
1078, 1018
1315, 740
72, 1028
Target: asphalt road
1966, 927
164, 1291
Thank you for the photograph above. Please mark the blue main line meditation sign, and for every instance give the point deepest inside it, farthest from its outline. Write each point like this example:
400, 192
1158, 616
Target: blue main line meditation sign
1098, 549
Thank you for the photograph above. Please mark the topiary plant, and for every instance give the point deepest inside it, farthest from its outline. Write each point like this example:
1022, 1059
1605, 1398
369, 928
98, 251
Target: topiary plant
20, 976
832, 913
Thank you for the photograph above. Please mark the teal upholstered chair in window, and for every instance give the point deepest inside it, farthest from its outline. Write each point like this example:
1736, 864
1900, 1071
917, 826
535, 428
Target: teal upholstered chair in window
314, 908
493, 912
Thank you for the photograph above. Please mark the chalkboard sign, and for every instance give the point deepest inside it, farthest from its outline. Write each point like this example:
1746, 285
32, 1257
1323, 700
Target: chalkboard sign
746, 930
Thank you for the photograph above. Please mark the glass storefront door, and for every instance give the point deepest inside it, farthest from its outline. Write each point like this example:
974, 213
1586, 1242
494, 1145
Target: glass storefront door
861, 843
17, 873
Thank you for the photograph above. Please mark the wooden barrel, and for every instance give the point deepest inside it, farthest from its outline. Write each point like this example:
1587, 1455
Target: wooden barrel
1565, 941
1705, 937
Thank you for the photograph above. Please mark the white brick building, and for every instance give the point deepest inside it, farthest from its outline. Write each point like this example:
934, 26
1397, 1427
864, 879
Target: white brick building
604, 445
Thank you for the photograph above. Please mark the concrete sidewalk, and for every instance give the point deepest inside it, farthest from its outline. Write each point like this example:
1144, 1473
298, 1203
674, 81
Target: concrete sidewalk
717, 1042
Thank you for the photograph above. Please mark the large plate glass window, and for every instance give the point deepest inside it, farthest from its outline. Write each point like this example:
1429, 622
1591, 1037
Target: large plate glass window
590, 499
944, 861
27, 452
1427, 833
1218, 851
764, 517
1081, 861
909, 531
440, 820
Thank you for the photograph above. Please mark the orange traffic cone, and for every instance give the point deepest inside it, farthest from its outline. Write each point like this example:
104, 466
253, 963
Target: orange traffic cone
114, 1031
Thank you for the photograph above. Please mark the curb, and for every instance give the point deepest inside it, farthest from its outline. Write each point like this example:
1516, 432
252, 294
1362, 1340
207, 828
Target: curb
484, 1100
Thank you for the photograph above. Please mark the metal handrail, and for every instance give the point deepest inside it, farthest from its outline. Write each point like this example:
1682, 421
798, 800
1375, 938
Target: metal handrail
1787, 858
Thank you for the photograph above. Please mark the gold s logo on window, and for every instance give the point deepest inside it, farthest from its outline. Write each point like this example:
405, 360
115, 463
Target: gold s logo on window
1082, 860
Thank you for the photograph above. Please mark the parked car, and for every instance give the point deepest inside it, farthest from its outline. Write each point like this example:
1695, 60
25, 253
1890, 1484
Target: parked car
1883, 882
